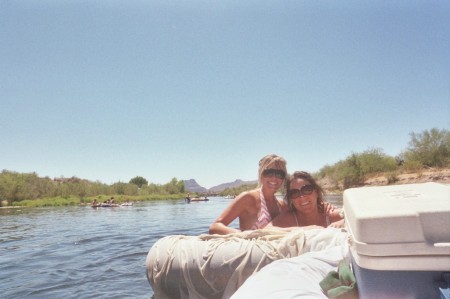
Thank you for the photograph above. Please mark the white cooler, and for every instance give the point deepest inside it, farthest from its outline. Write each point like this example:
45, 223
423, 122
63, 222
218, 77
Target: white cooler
400, 240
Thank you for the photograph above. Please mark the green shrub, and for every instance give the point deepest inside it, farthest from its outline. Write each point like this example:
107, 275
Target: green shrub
428, 149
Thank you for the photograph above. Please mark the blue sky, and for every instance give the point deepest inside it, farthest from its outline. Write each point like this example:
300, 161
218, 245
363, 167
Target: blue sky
108, 90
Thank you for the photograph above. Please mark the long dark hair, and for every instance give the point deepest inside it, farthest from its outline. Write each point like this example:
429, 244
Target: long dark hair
307, 177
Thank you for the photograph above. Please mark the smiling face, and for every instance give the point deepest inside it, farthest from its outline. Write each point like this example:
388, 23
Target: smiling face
270, 168
272, 177
303, 202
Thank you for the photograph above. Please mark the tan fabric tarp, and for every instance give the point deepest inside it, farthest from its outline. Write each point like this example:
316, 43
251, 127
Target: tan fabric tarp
214, 266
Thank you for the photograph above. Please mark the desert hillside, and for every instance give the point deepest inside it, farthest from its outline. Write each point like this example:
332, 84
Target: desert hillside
426, 175
431, 175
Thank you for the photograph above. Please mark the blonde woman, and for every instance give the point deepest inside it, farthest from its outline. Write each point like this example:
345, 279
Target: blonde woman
255, 208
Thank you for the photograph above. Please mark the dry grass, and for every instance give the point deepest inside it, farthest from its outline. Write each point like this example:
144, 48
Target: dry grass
397, 178
428, 175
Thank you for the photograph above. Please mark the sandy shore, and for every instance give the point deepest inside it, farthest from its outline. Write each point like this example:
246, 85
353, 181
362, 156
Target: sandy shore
426, 175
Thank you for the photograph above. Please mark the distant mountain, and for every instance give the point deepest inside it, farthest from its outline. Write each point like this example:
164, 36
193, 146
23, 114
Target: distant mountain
235, 184
192, 186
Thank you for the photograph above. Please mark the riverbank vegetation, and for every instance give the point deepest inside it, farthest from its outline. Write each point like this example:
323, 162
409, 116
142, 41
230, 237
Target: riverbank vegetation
28, 189
427, 150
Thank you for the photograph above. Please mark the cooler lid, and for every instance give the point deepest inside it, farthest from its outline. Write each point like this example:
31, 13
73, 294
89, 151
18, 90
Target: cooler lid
399, 220
402, 263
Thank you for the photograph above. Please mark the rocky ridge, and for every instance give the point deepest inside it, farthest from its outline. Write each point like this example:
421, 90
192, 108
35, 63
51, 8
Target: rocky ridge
192, 186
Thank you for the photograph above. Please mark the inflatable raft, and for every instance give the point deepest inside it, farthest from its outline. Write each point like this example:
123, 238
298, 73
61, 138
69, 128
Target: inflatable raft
215, 266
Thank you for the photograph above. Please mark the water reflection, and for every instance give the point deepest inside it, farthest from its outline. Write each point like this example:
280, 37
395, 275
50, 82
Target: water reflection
81, 252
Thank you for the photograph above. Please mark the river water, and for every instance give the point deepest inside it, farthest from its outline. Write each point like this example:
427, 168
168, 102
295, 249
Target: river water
82, 252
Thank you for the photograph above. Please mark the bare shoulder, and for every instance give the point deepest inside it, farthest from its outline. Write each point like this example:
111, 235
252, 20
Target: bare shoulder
246, 198
248, 195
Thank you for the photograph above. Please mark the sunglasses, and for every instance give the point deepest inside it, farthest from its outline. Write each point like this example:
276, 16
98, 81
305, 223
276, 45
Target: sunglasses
304, 190
271, 172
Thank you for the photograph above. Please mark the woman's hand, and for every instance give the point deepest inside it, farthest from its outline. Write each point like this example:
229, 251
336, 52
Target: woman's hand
338, 224
329, 208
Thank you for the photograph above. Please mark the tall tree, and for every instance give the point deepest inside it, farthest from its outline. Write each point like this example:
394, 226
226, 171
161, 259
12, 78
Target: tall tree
139, 181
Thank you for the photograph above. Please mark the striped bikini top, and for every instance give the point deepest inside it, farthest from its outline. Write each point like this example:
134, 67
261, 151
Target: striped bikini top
263, 216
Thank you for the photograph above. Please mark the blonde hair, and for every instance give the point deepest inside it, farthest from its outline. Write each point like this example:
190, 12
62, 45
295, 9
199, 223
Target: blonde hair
272, 160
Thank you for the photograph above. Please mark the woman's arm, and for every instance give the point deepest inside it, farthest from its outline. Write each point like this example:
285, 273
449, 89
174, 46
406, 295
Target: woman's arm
283, 220
220, 228
238, 208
